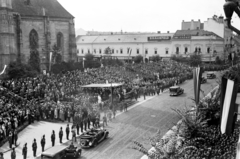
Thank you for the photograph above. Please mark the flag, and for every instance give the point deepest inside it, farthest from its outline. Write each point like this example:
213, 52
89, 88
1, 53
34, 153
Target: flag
229, 89
197, 75
4, 69
129, 51
50, 58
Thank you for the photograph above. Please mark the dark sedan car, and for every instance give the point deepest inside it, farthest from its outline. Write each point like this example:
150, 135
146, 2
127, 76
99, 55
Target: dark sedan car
92, 137
175, 91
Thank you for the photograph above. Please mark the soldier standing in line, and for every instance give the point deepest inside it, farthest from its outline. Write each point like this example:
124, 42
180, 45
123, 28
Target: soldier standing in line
53, 138
77, 126
60, 135
104, 120
34, 147
81, 123
43, 142
13, 154
24, 151
85, 123
67, 131
1, 155
15, 137
88, 121
10, 139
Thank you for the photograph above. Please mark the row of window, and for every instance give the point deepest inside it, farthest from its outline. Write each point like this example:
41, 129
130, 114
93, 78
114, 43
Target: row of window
197, 50
120, 51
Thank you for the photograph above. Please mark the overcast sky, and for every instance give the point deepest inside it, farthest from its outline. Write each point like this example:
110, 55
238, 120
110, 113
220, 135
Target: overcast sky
141, 15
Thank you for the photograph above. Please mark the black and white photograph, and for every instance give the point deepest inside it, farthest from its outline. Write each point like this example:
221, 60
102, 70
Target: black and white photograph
119, 79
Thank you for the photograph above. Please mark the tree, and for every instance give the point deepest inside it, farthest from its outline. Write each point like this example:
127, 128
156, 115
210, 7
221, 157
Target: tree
89, 57
108, 51
138, 59
156, 58
34, 60
20, 70
195, 60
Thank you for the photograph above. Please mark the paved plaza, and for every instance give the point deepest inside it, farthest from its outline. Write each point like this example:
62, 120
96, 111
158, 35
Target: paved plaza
139, 123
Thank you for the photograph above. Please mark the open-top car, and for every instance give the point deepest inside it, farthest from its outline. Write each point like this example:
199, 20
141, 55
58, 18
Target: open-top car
211, 75
92, 137
72, 152
175, 91
203, 80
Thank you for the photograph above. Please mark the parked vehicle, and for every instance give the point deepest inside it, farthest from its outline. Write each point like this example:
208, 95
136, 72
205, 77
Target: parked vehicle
203, 80
72, 152
211, 75
175, 91
56, 152
92, 137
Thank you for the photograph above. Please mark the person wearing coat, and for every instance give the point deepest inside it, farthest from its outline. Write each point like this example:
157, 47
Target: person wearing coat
10, 139
13, 154
24, 151
60, 135
15, 137
34, 147
53, 138
43, 142
67, 131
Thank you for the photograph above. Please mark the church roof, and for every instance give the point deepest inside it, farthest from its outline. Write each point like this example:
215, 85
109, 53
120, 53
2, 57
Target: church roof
51, 8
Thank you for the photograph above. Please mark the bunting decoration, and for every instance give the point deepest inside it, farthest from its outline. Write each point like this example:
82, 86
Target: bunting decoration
229, 89
197, 75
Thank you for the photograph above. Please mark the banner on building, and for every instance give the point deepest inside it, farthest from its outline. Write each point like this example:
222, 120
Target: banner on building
229, 89
159, 38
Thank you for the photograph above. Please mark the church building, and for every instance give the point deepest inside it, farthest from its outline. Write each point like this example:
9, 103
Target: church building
40, 25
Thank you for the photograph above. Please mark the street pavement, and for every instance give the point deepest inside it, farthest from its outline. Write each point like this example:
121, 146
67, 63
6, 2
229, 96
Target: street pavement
140, 122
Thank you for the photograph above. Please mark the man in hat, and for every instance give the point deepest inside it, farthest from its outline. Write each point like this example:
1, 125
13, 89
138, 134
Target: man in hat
43, 142
53, 138
10, 139
24, 151
13, 154
60, 135
34, 147
15, 137
67, 131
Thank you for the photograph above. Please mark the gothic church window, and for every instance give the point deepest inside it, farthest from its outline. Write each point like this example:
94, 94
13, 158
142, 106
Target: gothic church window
33, 39
60, 41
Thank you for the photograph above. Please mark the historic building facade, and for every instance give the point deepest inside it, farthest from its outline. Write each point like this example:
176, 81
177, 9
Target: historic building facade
127, 46
35, 25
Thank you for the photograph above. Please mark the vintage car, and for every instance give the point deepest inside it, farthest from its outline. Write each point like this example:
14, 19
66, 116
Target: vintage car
175, 91
92, 137
203, 80
55, 152
72, 152
211, 75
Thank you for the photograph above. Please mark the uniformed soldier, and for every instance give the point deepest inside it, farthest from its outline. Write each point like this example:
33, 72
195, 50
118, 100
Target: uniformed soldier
53, 138
10, 139
34, 147
24, 151
67, 131
1, 155
60, 135
43, 142
13, 154
15, 137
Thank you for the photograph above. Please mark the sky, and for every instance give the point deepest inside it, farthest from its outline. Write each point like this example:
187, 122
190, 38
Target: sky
141, 15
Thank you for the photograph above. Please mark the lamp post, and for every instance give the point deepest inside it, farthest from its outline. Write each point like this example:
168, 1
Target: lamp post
50, 61
83, 62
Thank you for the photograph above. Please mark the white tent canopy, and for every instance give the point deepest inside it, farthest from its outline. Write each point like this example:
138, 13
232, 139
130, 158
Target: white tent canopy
104, 85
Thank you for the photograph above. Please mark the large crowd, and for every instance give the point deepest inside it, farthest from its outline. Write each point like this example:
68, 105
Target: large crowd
62, 97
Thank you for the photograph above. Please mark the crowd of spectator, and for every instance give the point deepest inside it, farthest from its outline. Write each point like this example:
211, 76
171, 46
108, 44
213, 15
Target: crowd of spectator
62, 97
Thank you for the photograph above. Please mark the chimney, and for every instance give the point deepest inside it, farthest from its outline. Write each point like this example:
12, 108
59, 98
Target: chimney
199, 20
167, 31
159, 32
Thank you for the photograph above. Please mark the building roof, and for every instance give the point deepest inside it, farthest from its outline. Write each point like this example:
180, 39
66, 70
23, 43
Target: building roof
195, 33
123, 38
51, 8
